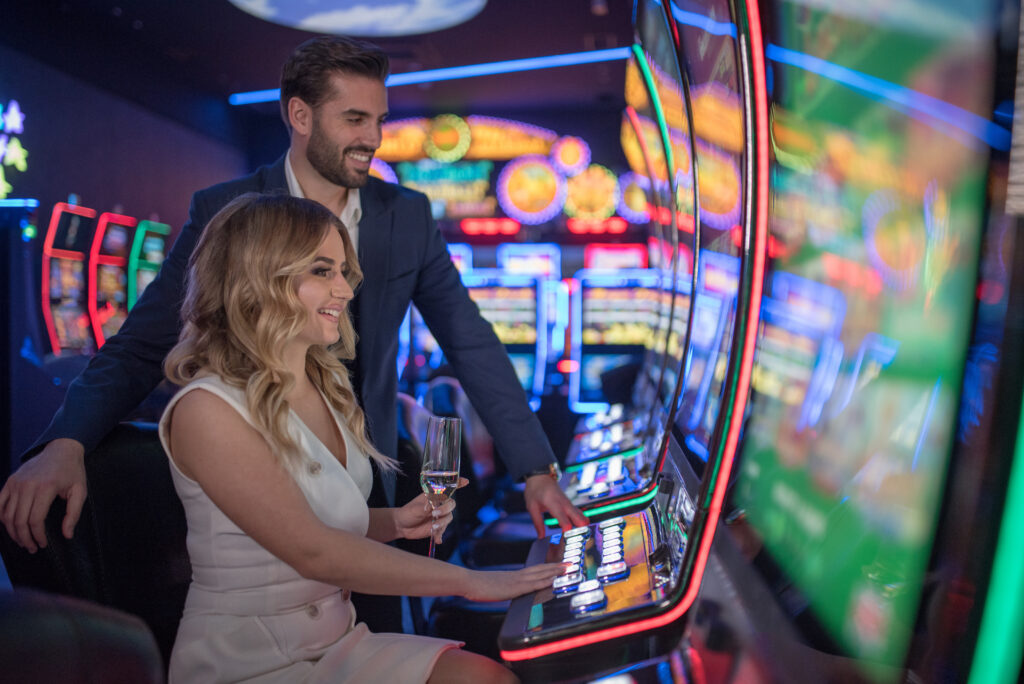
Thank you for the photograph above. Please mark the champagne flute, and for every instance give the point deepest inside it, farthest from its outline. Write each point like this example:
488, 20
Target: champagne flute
439, 475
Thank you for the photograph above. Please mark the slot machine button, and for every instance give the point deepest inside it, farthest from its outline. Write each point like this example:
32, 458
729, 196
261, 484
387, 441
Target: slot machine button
611, 557
611, 523
612, 572
566, 583
598, 490
572, 557
577, 545
611, 534
589, 601
581, 532
589, 585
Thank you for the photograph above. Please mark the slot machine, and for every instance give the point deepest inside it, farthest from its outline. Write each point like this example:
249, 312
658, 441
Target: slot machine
872, 531
543, 260
108, 274
514, 306
632, 580
65, 284
149, 249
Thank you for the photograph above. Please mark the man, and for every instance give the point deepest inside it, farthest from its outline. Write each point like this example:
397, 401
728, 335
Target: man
334, 102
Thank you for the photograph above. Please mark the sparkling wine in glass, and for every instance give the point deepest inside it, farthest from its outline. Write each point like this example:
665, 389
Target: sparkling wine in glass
439, 476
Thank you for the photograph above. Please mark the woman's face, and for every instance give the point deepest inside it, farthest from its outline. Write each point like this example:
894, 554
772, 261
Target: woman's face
324, 292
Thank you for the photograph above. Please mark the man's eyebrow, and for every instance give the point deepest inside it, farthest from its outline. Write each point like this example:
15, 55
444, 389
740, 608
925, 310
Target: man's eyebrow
355, 112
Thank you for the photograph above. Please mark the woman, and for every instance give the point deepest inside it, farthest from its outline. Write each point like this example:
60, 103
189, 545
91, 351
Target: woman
270, 458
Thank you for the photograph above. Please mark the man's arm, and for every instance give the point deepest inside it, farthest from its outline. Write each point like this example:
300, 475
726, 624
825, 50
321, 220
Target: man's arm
117, 379
486, 374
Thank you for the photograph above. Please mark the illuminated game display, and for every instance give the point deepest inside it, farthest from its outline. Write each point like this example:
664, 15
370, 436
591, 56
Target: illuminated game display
512, 305
613, 316
632, 579
877, 224
65, 285
149, 249
108, 274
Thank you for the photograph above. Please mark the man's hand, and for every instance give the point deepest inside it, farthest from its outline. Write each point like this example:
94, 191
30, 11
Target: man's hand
58, 470
543, 494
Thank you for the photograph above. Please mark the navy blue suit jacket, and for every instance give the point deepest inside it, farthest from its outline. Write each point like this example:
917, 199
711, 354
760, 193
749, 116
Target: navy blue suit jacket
404, 259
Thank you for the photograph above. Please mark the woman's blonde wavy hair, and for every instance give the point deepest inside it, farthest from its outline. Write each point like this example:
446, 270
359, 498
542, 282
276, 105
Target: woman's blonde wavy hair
241, 306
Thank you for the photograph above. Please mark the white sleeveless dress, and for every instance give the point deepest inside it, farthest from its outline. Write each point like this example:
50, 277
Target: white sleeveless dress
250, 617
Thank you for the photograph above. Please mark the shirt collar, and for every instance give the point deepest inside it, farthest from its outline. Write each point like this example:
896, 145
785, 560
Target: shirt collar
351, 213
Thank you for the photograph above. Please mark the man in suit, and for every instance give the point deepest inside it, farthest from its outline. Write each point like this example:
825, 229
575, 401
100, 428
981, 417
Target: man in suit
334, 102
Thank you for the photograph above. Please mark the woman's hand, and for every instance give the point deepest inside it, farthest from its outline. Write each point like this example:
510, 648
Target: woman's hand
416, 519
498, 585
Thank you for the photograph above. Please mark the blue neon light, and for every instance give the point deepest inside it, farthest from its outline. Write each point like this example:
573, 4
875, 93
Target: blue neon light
717, 28
468, 71
255, 97
977, 126
23, 203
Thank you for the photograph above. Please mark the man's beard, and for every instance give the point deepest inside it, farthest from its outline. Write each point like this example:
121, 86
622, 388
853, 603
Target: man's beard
329, 162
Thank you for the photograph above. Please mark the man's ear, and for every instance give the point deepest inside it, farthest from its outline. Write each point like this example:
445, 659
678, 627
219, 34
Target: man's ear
300, 116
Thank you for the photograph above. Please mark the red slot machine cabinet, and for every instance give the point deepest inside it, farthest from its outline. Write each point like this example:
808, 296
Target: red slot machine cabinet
65, 281
108, 274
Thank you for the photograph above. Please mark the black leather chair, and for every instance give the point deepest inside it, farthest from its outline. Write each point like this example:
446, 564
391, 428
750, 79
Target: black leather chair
46, 638
128, 551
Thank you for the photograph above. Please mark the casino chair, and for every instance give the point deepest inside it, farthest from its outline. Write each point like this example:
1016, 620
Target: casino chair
128, 551
50, 638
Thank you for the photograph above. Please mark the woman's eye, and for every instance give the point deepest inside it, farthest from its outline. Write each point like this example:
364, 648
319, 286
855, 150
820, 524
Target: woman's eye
322, 272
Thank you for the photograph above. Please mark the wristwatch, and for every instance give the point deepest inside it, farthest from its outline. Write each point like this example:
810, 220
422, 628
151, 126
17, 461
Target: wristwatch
551, 469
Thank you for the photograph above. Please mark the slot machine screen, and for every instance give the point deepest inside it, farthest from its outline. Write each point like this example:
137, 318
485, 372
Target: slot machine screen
510, 303
67, 292
531, 259
112, 279
614, 318
861, 351
69, 236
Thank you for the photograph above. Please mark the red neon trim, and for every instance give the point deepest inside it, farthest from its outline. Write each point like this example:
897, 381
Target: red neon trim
68, 254
49, 253
743, 385
96, 319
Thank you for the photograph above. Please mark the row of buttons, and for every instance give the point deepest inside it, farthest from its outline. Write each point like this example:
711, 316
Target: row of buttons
590, 595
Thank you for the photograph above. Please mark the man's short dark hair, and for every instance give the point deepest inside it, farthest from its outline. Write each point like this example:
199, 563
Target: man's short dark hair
307, 72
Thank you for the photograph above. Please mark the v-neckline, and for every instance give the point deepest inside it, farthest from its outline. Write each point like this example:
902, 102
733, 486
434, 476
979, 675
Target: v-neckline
337, 424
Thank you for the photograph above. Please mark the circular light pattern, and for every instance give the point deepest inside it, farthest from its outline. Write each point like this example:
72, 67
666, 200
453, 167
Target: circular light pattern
719, 188
531, 190
382, 170
448, 138
570, 155
894, 248
592, 194
633, 199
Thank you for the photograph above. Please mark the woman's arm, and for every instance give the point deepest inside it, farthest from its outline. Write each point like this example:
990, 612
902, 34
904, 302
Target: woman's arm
212, 444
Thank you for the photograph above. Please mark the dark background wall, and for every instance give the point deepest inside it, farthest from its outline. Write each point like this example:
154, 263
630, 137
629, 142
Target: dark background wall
113, 153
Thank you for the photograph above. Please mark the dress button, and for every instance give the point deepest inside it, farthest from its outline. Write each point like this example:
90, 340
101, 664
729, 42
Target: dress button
315, 467
313, 611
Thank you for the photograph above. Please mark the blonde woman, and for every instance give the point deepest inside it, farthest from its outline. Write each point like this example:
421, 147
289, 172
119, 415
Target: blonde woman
269, 455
